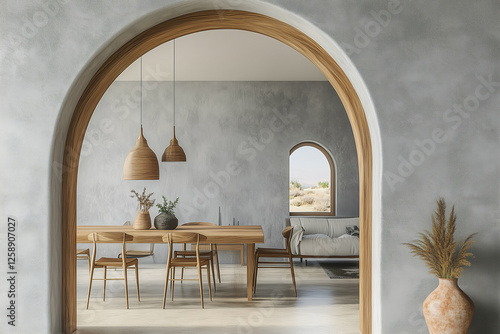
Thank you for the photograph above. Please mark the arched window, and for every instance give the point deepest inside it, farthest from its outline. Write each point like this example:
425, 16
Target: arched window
312, 181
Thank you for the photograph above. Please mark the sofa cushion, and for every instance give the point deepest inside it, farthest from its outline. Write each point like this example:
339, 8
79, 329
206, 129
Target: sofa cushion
321, 246
315, 236
331, 226
313, 225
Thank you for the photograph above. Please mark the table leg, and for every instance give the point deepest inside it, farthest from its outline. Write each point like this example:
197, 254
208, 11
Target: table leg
242, 255
250, 268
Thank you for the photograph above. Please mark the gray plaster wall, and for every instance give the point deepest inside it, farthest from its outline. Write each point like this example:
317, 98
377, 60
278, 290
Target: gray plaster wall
236, 136
424, 64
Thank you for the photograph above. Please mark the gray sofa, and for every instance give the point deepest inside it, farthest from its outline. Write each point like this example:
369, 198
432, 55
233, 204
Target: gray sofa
315, 237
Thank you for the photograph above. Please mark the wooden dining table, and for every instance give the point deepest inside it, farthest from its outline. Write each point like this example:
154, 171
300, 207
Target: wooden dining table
248, 234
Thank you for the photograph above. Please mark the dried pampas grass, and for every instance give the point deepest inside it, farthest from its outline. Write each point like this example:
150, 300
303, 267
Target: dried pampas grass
438, 249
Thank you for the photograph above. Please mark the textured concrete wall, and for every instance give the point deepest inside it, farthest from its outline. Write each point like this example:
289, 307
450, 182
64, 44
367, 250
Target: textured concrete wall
236, 136
432, 67
428, 66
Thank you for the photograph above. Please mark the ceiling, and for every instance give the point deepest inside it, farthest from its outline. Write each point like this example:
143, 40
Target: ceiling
224, 55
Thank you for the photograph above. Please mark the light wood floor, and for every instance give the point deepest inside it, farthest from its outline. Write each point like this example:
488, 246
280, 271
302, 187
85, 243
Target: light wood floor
323, 305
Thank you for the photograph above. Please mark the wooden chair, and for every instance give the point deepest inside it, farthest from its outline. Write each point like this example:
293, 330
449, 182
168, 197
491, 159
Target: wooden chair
83, 254
138, 251
212, 253
174, 262
104, 262
276, 253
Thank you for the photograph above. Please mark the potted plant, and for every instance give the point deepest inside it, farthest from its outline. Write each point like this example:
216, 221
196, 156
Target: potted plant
142, 220
166, 220
447, 309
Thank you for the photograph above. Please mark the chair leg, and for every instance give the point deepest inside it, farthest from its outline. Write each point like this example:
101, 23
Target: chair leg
255, 273
256, 265
172, 284
182, 270
217, 262
242, 255
208, 278
126, 284
201, 286
254, 277
90, 285
137, 281
166, 286
213, 271
104, 285
293, 276
88, 259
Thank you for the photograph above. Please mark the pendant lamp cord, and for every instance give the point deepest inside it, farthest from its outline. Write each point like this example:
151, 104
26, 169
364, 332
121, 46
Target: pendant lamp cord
141, 92
174, 86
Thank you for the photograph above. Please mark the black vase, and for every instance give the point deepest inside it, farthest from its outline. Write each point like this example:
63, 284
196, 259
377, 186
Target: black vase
165, 221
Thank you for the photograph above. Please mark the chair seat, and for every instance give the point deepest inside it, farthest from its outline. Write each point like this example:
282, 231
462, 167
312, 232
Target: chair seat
204, 254
138, 253
192, 253
271, 252
187, 262
114, 262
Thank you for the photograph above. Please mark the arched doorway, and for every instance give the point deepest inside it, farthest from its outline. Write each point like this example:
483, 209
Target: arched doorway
184, 25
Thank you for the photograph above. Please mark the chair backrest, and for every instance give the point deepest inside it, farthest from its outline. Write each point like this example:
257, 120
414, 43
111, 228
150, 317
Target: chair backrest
287, 234
140, 247
183, 237
109, 237
199, 224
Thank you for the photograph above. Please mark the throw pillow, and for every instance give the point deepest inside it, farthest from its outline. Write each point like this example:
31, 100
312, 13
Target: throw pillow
352, 230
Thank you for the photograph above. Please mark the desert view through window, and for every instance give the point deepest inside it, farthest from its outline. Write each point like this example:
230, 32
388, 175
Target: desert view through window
310, 180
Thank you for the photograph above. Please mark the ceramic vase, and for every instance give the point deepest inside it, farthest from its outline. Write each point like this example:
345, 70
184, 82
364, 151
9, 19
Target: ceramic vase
164, 221
448, 310
142, 221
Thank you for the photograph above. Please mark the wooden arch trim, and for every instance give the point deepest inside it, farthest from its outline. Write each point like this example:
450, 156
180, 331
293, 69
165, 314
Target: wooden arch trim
184, 25
329, 158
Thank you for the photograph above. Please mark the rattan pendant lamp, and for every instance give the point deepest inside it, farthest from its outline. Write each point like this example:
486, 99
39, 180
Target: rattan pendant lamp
141, 162
173, 152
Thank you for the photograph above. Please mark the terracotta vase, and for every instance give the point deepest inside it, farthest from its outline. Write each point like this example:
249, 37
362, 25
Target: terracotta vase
142, 221
448, 310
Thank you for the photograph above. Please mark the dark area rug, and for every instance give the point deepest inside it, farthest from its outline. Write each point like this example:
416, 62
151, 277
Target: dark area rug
340, 269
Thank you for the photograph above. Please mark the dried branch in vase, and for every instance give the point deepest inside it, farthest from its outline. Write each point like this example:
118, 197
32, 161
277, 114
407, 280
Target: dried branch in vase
145, 203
